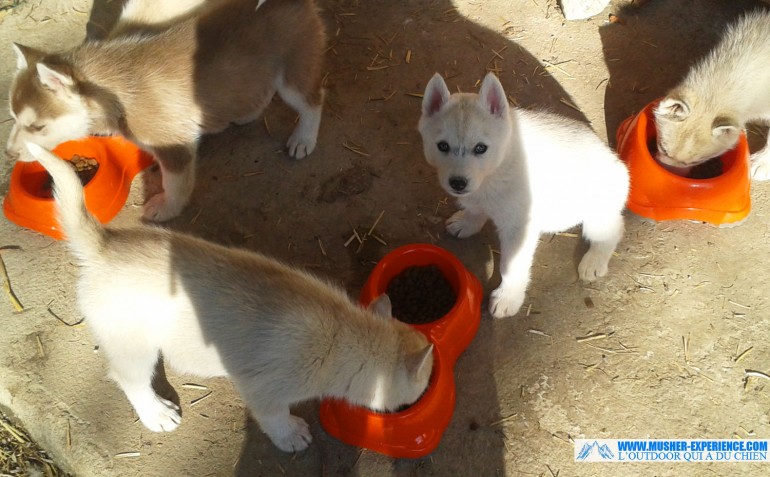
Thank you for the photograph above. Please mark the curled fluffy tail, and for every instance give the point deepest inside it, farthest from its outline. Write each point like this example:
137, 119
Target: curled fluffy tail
82, 230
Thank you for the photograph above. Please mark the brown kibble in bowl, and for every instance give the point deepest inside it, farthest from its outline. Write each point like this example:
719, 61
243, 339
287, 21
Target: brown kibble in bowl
85, 167
421, 295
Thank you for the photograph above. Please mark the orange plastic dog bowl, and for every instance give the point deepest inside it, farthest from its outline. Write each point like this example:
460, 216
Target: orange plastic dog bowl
417, 430
659, 194
119, 161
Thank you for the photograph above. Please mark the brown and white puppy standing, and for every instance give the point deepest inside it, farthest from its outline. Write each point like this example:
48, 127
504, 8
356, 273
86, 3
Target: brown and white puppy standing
281, 335
164, 90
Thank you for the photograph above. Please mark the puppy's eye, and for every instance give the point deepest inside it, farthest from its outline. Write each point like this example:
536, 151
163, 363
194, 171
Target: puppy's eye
36, 127
480, 148
443, 146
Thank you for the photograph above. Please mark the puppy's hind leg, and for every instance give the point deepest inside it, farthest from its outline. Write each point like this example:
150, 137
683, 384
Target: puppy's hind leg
300, 87
288, 432
177, 165
603, 235
132, 367
309, 106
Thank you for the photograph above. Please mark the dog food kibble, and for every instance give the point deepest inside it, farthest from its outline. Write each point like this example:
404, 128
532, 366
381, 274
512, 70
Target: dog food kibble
84, 166
421, 295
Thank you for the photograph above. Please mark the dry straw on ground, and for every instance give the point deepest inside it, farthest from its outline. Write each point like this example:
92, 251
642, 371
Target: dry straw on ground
19, 456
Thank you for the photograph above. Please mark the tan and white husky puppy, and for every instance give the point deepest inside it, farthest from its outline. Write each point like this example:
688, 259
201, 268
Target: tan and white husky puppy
281, 335
703, 116
530, 172
164, 90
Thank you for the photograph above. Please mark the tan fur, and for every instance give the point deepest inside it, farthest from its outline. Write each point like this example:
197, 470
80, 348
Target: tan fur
281, 335
164, 90
703, 116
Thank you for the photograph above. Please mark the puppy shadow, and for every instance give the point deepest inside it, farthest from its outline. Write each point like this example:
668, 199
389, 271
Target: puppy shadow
163, 387
103, 17
260, 457
654, 46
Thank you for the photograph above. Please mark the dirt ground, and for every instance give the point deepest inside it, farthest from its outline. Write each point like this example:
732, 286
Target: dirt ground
684, 308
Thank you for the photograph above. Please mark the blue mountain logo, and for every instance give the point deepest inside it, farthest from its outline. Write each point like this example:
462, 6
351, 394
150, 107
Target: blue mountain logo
603, 450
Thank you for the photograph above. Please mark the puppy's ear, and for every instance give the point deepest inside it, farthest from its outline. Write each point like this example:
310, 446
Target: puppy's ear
381, 306
435, 97
25, 55
672, 109
416, 362
725, 129
54, 80
492, 96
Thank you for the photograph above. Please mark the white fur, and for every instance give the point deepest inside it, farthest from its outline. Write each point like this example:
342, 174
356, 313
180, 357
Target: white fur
541, 173
211, 62
303, 140
703, 116
281, 335
152, 12
54, 130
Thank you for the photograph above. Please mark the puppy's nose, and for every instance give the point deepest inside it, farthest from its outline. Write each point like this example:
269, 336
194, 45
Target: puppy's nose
458, 184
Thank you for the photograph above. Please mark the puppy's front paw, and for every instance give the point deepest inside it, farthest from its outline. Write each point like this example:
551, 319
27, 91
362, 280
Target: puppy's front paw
760, 165
463, 224
159, 415
505, 302
160, 209
294, 436
301, 143
593, 265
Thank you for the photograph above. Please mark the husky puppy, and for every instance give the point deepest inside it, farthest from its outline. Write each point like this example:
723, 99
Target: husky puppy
281, 335
703, 116
164, 90
530, 172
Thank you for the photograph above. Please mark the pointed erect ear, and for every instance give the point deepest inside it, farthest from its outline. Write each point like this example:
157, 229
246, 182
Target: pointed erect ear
416, 363
492, 96
24, 55
725, 128
672, 109
435, 97
381, 306
54, 80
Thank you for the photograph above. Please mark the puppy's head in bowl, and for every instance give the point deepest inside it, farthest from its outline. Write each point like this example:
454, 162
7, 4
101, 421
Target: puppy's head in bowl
712, 189
688, 136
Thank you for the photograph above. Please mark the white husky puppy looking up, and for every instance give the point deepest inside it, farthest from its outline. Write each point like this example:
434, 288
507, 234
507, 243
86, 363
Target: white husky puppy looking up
281, 335
163, 90
703, 116
530, 172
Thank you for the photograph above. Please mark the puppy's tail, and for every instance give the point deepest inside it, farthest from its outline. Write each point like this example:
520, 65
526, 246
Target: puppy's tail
84, 233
